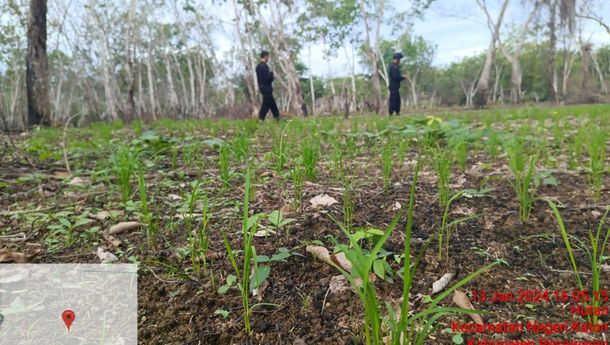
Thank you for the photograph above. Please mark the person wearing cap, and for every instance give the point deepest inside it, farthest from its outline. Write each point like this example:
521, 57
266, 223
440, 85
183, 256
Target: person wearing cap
395, 78
265, 79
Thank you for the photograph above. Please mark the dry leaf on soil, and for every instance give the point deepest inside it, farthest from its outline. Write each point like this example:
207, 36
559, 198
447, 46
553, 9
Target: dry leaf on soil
338, 284
397, 206
79, 181
340, 260
19, 258
105, 256
123, 226
442, 283
112, 241
323, 200
319, 253
287, 209
462, 301
100, 216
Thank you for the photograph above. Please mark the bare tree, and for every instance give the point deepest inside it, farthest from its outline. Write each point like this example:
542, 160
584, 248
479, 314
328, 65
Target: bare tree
513, 55
37, 65
129, 69
482, 89
371, 44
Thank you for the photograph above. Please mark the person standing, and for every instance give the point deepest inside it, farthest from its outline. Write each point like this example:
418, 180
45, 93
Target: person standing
395, 78
265, 79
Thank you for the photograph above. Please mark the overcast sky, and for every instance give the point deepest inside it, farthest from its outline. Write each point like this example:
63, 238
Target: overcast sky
458, 29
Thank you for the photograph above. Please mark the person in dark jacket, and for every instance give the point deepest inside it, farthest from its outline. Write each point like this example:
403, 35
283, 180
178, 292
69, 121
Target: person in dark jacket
395, 78
265, 79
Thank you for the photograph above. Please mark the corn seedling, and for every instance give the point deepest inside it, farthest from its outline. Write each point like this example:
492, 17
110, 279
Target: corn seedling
249, 227
201, 240
174, 157
191, 152
597, 159
493, 142
403, 146
241, 147
460, 152
362, 265
595, 252
123, 164
406, 328
224, 165
279, 155
386, 164
297, 185
144, 205
188, 210
348, 203
414, 328
447, 228
309, 155
442, 165
575, 148
523, 172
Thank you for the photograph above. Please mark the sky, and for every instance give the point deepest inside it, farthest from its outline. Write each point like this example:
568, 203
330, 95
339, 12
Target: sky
458, 28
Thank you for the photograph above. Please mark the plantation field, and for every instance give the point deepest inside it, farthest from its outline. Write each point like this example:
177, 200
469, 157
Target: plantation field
230, 221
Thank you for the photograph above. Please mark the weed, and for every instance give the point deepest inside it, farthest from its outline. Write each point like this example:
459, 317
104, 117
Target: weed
277, 219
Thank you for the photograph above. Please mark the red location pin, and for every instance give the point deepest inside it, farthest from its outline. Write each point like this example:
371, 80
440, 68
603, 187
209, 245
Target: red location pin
68, 316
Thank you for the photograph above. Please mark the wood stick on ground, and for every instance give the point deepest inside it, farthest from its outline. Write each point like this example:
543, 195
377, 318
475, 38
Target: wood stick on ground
64, 145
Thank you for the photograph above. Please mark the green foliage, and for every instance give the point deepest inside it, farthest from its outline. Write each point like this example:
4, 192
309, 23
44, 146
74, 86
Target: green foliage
387, 156
447, 228
595, 252
244, 282
442, 166
597, 159
297, 176
277, 219
523, 168
224, 165
123, 165
309, 156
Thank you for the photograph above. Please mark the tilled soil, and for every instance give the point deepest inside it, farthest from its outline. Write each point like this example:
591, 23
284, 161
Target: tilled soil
178, 307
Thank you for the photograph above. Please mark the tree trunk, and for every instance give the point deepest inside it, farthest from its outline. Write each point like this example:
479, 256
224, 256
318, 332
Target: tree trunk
130, 49
497, 82
513, 57
151, 85
481, 93
516, 79
37, 66
372, 55
552, 73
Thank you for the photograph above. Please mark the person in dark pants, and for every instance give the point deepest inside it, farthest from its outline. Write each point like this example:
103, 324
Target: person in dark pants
265, 79
395, 78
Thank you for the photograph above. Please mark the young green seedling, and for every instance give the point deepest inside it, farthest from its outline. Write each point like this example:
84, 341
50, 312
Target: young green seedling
524, 174
276, 218
595, 252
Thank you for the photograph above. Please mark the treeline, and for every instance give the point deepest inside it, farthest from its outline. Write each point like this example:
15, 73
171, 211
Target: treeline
147, 59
